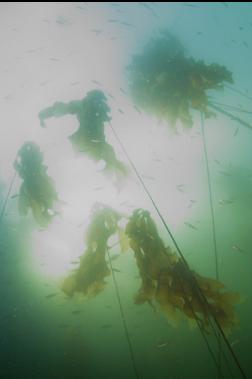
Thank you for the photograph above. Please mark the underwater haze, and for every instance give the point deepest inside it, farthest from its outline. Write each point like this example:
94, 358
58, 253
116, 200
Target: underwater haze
125, 190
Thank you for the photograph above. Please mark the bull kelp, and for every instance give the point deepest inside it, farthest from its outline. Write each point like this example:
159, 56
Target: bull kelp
89, 278
37, 191
145, 277
166, 82
167, 281
92, 113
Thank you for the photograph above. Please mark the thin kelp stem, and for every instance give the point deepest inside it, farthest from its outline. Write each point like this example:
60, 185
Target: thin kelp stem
210, 192
231, 107
194, 281
239, 92
7, 197
216, 362
123, 319
230, 115
212, 222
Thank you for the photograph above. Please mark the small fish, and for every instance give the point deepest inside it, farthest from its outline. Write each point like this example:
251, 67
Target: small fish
113, 20
146, 6
245, 44
123, 202
61, 20
98, 188
126, 24
234, 342
74, 262
137, 109
106, 326
111, 96
148, 177
114, 257
14, 196
161, 345
191, 203
190, 225
237, 248
119, 110
80, 7
236, 131
122, 90
116, 270
190, 5
31, 51
227, 201
224, 173
55, 59
217, 162
180, 188
76, 312
241, 27
51, 295
96, 82
44, 83
97, 31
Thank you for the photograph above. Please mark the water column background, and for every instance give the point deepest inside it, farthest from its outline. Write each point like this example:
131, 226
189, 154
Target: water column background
58, 52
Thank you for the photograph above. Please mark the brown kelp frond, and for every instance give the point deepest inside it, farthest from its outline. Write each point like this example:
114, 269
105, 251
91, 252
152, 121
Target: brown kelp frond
165, 82
89, 278
92, 113
37, 190
167, 281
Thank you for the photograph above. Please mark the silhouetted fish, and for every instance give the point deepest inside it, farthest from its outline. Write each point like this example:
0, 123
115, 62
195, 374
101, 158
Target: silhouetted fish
116, 270
76, 312
190, 225
52, 295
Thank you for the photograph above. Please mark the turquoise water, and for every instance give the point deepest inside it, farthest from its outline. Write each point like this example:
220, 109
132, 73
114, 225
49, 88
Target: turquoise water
59, 52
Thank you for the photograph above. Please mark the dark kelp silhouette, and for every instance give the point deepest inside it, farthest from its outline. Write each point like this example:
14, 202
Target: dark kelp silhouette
166, 281
92, 113
169, 283
37, 190
165, 82
89, 278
